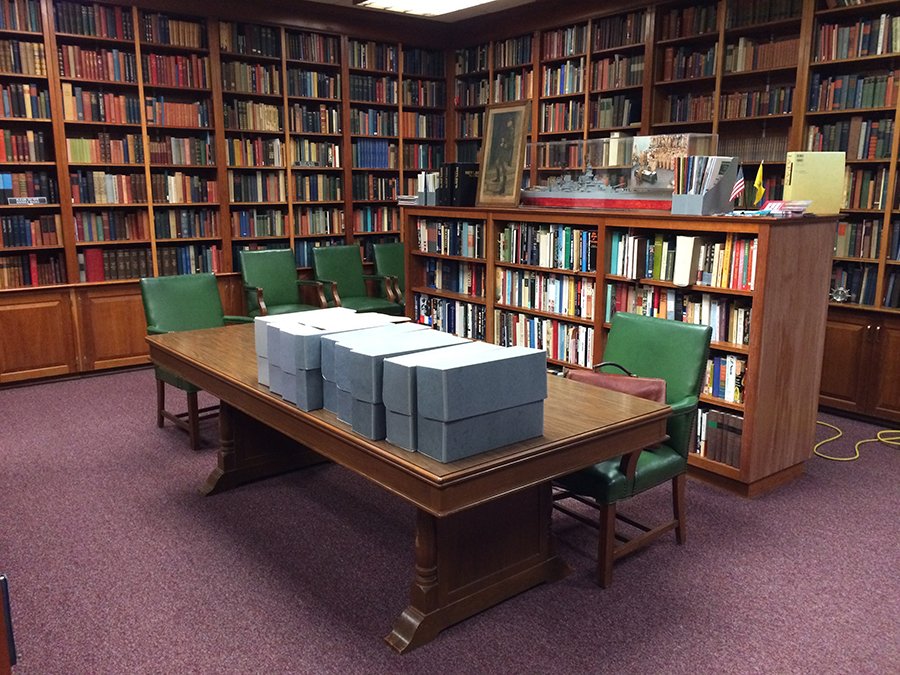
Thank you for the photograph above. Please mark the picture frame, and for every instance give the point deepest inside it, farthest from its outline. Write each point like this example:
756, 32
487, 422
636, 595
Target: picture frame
503, 154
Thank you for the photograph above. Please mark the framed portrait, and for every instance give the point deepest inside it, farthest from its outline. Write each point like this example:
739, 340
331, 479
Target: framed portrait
503, 154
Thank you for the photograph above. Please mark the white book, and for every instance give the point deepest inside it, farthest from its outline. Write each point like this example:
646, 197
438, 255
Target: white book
729, 378
686, 255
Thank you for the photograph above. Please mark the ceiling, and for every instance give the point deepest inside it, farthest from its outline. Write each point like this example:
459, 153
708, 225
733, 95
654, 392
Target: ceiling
448, 18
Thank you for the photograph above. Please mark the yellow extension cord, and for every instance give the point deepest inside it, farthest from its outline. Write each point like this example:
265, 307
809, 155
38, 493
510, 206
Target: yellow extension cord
886, 436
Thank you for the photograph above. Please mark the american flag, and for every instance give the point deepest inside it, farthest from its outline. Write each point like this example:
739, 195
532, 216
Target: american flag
738, 188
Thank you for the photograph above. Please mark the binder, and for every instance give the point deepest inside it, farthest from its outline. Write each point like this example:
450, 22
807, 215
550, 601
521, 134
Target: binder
817, 177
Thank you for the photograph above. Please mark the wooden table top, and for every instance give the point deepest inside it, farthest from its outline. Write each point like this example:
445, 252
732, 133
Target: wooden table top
582, 425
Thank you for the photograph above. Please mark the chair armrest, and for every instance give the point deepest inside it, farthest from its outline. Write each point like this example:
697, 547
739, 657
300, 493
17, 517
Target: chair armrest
320, 290
330, 288
255, 294
156, 330
682, 408
386, 284
237, 319
685, 406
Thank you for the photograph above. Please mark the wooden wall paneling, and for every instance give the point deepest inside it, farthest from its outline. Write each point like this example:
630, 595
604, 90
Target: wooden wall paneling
113, 326
846, 360
37, 335
787, 351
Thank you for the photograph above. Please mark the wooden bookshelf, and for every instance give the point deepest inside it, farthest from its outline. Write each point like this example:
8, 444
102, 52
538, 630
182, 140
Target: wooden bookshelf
552, 280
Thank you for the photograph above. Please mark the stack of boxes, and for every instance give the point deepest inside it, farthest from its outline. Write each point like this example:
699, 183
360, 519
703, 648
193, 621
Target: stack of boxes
422, 389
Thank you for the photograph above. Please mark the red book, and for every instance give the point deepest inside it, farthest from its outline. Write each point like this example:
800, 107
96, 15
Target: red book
93, 264
33, 266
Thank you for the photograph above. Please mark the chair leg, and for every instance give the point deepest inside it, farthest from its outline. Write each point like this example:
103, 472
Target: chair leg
678, 486
607, 543
160, 402
193, 420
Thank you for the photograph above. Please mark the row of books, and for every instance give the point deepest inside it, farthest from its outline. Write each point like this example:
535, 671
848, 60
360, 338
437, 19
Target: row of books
893, 252
32, 269
313, 47
455, 276
609, 112
196, 150
688, 260
374, 154
100, 187
374, 122
427, 63
189, 71
471, 60
858, 279
863, 37
376, 219
324, 154
321, 119
94, 20
425, 156
189, 259
847, 92
892, 289
258, 186
108, 264
681, 63
161, 29
105, 149
111, 226
471, 93
177, 187
20, 15
322, 220
865, 188
857, 239
84, 105
563, 42
550, 246
451, 237
313, 84
422, 125
26, 58
688, 21
24, 146
258, 223
740, 14
371, 187
561, 116
619, 30
512, 52
567, 342
27, 101
748, 54
110, 65
451, 316
28, 184
687, 108
728, 318
243, 38
425, 93
186, 223
21, 230
773, 100
512, 86
367, 55
553, 293
161, 112
250, 78
860, 138
318, 188
562, 79
374, 89
754, 148
618, 71
719, 436
243, 115
724, 378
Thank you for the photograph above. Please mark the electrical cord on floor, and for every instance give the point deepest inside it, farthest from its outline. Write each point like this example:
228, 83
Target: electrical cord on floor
886, 436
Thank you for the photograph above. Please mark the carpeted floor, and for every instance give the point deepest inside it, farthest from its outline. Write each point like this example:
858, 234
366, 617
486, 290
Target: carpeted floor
118, 565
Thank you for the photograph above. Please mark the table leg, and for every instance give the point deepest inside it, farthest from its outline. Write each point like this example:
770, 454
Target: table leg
249, 450
472, 560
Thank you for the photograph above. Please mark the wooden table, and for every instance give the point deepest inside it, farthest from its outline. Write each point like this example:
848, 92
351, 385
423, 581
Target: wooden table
483, 523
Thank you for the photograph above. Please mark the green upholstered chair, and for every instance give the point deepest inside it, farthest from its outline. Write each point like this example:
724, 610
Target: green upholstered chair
648, 347
390, 262
271, 285
177, 303
340, 269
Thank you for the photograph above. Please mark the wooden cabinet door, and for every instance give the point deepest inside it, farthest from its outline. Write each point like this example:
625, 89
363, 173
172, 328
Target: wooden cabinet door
37, 335
846, 366
883, 374
113, 327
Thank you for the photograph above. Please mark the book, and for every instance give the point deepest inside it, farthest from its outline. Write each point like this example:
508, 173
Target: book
687, 252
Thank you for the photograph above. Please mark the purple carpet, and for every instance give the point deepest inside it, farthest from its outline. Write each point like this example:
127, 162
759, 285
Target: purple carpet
118, 565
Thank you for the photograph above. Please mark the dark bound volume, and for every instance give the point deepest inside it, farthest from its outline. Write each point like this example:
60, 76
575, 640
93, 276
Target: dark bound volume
7, 643
465, 183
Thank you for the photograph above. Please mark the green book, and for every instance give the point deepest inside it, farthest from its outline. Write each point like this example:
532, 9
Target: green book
657, 256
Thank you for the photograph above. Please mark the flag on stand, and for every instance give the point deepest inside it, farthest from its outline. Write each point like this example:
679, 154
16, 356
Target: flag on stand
738, 188
758, 184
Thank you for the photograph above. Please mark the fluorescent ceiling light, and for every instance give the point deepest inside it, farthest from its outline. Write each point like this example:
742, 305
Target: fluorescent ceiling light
421, 7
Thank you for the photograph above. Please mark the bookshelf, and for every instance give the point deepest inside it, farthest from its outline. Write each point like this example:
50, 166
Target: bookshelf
562, 108
472, 94
553, 279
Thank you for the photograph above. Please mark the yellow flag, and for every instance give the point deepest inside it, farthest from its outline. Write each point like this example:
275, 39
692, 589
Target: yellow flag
758, 185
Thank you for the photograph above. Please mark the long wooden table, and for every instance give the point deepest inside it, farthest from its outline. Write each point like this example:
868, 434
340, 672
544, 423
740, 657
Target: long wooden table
483, 523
